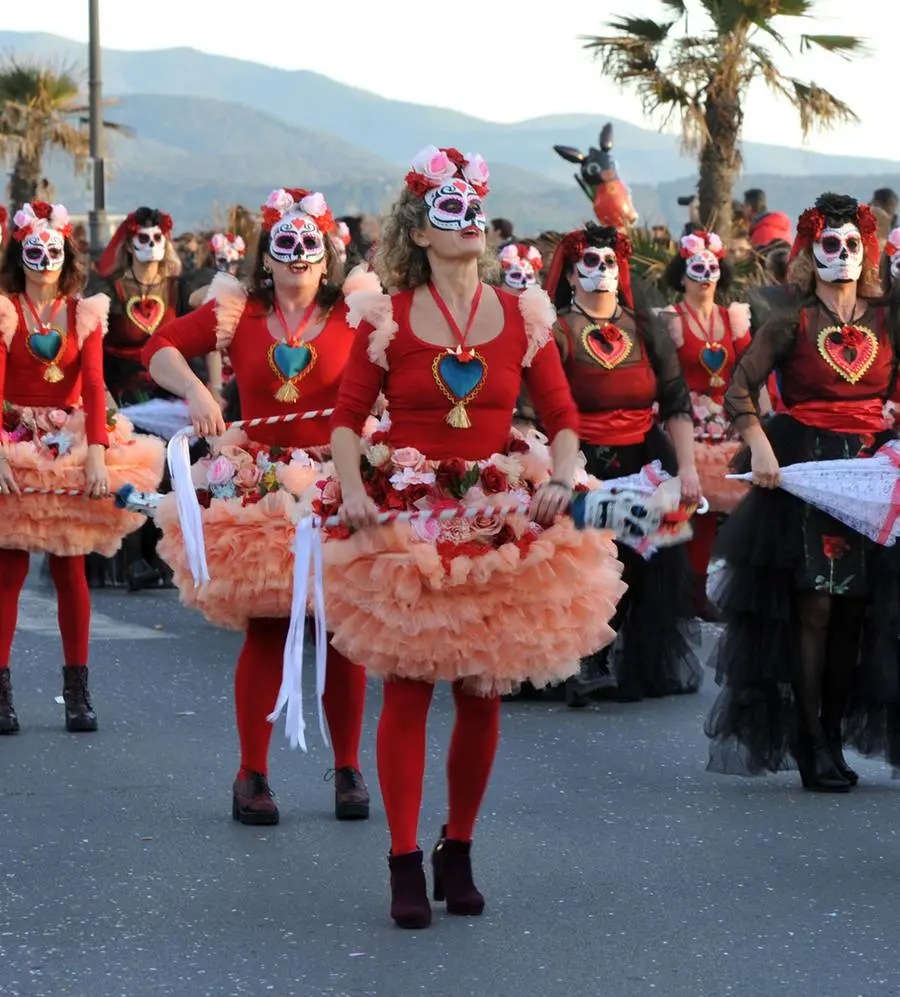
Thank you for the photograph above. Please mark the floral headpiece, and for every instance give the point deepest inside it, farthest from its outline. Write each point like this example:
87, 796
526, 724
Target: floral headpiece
40, 216
136, 220
520, 253
892, 245
433, 167
697, 241
287, 200
222, 241
840, 209
571, 247
343, 233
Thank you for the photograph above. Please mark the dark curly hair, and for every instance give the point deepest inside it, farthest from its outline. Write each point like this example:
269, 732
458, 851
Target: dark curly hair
677, 269
12, 269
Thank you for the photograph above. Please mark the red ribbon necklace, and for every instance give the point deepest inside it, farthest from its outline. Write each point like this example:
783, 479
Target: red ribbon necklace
708, 333
462, 352
296, 337
44, 327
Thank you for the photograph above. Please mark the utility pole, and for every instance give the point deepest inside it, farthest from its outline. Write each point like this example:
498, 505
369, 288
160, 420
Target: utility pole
97, 214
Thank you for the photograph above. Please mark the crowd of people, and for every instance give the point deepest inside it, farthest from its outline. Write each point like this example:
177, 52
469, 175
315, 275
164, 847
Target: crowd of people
446, 398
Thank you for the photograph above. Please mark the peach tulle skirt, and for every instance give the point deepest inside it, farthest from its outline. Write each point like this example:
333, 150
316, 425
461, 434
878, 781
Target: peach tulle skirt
72, 525
713, 464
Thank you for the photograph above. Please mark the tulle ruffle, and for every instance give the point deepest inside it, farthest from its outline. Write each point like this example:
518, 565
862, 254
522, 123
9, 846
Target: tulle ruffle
48, 449
713, 464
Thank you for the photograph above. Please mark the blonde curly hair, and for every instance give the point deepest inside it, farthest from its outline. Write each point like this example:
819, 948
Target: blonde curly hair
402, 265
802, 272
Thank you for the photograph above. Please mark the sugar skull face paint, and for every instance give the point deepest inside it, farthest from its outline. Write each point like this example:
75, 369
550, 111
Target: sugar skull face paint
703, 268
839, 254
149, 245
296, 238
519, 275
598, 270
455, 206
44, 250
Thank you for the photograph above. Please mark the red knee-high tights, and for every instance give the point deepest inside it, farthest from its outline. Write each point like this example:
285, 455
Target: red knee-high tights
73, 603
256, 683
701, 543
401, 758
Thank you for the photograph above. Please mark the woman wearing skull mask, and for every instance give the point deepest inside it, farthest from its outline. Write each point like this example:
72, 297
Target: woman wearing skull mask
811, 606
56, 437
620, 363
708, 337
520, 265
287, 336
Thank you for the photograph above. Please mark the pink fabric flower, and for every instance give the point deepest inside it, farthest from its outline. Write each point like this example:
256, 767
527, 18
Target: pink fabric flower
248, 477
221, 471
296, 477
314, 205
408, 476
379, 455
434, 165
693, 244
200, 473
57, 418
235, 455
280, 200
477, 171
331, 493
715, 243
59, 216
408, 457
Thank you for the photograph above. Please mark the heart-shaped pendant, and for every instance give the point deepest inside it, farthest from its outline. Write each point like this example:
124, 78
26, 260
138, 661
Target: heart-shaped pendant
713, 357
460, 378
146, 313
291, 361
607, 345
47, 345
850, 350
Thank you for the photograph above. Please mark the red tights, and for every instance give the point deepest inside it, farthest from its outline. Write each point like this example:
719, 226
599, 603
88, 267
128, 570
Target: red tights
701, 543
401, 758
257, 680
73, 603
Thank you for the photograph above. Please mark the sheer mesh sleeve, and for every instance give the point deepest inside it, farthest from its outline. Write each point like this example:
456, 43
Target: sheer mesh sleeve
769, 347
672, 390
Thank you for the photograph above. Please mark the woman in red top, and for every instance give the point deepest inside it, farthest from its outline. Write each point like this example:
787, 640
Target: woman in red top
809, 653
288, 340
709, 338
485, 602
56, 435
620, 364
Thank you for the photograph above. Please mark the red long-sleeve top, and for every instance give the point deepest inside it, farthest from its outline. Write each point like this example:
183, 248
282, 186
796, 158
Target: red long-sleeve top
22, 373
249, 350
418, 407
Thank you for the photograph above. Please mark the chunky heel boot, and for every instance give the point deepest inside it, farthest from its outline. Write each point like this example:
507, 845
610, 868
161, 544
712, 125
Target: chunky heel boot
409, 895
80, 716
835, 745
351, 794
451, 863
818, 771
9, 722
252, 802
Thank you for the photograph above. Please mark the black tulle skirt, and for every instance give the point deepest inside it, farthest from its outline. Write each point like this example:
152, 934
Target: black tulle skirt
653, 655
775, 546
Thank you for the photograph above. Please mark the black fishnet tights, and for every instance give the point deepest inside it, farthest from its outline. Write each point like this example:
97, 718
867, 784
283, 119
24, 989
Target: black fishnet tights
829, 634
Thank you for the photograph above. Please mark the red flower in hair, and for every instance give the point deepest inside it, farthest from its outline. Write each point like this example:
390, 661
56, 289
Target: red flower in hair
456, 157
270, 217
417, 183
165, 223
574, 244
297, 193
229, 236
41, 209
131, 224
811, 225
325, 222
866, 222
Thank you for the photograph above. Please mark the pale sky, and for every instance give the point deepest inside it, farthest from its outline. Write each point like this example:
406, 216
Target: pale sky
528, 53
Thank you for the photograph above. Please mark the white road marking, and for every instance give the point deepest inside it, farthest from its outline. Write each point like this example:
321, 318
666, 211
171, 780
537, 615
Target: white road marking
37, 615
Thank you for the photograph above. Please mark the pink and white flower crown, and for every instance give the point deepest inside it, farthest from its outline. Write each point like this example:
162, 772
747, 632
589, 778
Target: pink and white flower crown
520, 253
39, 217
697, 241
433, 167
227, 240
286, 200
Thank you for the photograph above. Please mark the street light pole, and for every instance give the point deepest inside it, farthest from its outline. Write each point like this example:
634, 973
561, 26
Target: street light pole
97, 216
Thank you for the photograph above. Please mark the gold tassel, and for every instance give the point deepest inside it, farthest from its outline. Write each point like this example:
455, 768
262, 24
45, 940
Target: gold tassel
287, 393
458, 417
53, 374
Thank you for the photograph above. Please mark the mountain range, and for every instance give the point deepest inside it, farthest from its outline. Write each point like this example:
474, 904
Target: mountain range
210, 131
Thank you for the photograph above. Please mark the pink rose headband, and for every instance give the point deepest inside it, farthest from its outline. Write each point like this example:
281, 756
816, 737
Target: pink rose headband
518, 253
39, 217
699, 241
433, 167
284, 201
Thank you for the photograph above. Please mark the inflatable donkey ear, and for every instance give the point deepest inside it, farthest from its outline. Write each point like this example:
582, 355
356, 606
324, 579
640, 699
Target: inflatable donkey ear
569, 154
606, 138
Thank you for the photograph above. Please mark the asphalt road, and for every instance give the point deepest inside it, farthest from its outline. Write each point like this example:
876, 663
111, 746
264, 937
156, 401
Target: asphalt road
613, 864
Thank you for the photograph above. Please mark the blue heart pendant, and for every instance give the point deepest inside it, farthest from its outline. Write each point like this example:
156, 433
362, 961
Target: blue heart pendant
46, 345
460, 378
291, 361
713, 358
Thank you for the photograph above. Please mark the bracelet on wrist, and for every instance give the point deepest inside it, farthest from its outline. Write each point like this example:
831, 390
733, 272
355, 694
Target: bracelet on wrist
560, 484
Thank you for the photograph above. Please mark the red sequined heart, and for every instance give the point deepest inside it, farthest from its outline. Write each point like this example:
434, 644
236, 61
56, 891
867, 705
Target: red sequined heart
146, 313
850, 350
608, 345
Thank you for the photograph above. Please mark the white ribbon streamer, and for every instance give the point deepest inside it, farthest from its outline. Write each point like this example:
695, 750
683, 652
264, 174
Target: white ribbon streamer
307, 556
179, 459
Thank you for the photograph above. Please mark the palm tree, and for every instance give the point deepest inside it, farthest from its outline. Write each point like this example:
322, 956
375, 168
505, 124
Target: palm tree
702, 78
41, 108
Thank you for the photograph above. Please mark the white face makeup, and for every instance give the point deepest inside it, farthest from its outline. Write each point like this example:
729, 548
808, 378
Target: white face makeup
455, 206
703, 268
149, 245
895, 266
839, 254
598, 270
44, 250
519, 276
295, 239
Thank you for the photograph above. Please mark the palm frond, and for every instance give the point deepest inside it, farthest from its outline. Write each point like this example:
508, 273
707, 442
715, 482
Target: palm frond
842, 45
818, 108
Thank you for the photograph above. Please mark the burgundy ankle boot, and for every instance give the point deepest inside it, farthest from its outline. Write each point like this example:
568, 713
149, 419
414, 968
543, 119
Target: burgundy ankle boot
451, 864
409, 895
80, 716
9, 722
252, 802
